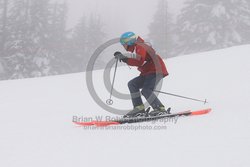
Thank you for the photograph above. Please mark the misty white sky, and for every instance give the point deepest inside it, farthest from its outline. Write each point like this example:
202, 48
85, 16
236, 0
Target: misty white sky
119, 15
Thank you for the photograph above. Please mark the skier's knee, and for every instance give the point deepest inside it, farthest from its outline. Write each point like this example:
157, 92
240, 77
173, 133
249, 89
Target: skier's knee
146, 92
131, 84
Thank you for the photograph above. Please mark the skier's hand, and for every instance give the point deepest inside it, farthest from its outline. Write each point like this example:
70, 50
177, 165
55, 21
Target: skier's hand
118, 55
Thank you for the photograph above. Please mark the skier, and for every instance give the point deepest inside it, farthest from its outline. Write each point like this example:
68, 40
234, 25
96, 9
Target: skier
152, 70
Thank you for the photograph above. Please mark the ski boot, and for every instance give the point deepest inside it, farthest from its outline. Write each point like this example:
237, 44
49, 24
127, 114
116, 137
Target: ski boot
138, 111
160, 111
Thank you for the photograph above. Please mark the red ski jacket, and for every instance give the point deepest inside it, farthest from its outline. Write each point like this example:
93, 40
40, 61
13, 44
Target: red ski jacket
147, 61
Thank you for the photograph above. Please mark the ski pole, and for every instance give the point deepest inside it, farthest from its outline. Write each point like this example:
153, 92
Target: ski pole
110, 101
189, 98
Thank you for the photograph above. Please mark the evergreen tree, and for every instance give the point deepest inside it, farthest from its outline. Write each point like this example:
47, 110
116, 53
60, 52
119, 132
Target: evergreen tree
95, 39
4, 36
88, 35
58, 38
26, 53
17, 33
161, 29
78, 45
205, 25
35, 41
36, 46
3, 25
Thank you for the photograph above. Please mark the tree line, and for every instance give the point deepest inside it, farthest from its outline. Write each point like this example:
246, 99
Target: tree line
34, 40
202, 25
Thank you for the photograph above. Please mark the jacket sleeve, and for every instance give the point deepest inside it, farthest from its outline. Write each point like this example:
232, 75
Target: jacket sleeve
140, 57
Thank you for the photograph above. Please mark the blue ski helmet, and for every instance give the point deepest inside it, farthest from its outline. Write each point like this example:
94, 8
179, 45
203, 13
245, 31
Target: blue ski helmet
128, 38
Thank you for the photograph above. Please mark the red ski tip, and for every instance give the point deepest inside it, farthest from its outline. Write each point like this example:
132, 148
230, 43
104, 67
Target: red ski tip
201, 112
85, 123
103, 123
97, 123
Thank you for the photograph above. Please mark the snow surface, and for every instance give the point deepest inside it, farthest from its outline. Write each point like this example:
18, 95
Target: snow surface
37, 130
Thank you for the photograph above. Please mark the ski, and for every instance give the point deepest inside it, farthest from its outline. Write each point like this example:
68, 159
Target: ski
143, 119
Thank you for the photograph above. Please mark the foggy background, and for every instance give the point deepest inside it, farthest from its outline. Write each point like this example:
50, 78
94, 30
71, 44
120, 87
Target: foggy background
51, 37
119, 15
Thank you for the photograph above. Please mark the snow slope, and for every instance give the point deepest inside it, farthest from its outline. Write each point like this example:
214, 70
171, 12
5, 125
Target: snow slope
37, 130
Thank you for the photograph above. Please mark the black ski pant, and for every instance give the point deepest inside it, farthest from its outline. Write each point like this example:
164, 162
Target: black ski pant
147, 84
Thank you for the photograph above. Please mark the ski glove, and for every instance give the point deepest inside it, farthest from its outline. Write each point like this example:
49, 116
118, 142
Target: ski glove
120, 56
